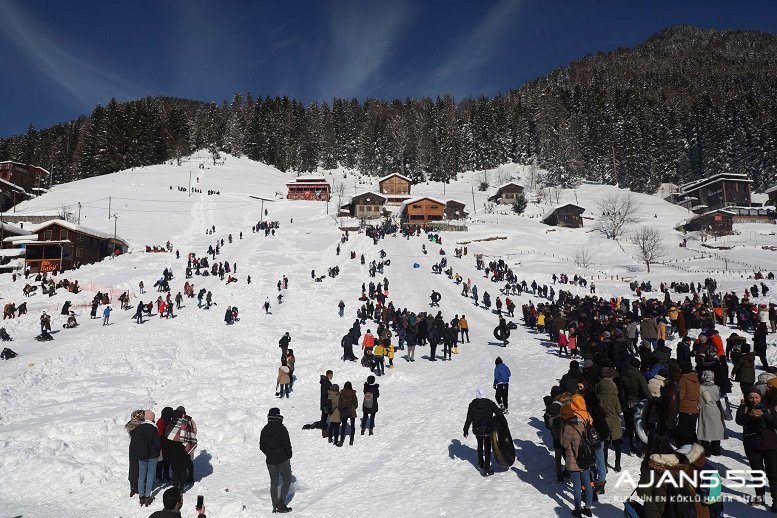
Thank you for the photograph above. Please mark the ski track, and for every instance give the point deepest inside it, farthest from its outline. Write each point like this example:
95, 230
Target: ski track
63, 448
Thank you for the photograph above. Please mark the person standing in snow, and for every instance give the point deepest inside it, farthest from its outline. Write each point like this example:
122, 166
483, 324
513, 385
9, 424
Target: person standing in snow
283, 343
479, 414
501, 383
284, 380
266, 305
341, 305
347, 404
146, 446
274, 442
135, 419
370, 403
107, 315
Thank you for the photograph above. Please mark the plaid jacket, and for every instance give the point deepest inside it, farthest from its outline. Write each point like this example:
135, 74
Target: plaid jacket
184, 431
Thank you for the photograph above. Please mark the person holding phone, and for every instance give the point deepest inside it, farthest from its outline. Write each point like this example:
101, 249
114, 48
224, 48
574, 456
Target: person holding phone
760, 441
172, 499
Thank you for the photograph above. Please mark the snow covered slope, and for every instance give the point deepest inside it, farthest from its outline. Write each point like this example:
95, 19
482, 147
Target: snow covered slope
63, 448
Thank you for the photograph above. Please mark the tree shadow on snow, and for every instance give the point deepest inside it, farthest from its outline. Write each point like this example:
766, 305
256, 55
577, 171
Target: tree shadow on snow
202, 465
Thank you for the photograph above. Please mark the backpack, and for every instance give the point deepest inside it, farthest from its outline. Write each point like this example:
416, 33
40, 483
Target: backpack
586, 451
369, 400
7, 354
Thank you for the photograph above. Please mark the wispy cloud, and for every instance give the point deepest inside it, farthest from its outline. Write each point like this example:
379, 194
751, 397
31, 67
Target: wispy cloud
363, 37
458, 72
83, 77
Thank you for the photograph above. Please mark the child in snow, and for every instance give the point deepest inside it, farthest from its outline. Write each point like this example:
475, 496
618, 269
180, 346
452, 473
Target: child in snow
563, 342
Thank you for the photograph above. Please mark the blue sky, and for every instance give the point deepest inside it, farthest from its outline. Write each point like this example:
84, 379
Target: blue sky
60, 59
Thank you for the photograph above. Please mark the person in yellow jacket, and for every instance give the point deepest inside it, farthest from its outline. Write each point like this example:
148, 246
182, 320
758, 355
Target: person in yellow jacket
390, 355
379, 352
464, 330
540, 322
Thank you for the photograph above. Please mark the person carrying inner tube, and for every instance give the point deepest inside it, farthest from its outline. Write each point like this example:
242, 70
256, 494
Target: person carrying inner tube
479, 414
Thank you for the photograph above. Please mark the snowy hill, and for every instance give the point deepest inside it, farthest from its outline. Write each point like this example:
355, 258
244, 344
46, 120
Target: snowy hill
63, 447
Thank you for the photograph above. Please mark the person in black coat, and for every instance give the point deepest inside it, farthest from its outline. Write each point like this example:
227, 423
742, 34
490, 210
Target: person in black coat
569, 380
326, 384
368, 413
146, 446
479, 414
275, 444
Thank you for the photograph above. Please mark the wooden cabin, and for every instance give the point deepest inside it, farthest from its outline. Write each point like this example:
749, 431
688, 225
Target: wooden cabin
455, 210
309, 188
28, 177
396, 188
8, 232
507, 194
772, 193
367, 205
59, 245
422, 211
717, 191
718, 222
568, 215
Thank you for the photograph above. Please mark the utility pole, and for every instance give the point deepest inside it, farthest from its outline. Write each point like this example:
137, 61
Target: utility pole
474, 207
115, 219
79, 212
190, 182
109, 207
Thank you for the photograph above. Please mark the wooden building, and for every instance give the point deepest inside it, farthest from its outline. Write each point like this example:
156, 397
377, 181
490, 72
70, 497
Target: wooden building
367, 205
568, 215
718, 222
7, 231
309, 188
396, 188
422, 211
772, 193
455, 210
715, 192
58, 245
507, 194
28, 177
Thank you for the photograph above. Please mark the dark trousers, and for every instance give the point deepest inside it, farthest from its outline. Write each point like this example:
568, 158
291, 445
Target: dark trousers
447, 349
685, 431
332, 430
368, 420
343, 425
432, 350
463, 333
134, 473
745, 387
163, 469
484, 452
616, 446
628, 419
501, 394
765, 461
711, 447
348, 353
276, 470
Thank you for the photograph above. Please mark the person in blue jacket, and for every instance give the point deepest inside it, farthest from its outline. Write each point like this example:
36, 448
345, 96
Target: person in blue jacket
501, 383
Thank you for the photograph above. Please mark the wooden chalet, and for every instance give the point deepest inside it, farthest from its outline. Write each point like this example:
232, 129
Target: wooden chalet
8, 230
59, 245
455, 210
718, 222
715, 192
309, 188
422, 211
568, 215
772, 193
396, 188
367, 205
28, 177
507, 194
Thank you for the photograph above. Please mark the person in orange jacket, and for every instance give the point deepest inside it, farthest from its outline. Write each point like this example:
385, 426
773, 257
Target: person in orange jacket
717, 341
368, 342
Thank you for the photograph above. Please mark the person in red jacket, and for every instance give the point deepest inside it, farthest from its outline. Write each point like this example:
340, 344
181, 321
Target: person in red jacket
163, 467
717, 341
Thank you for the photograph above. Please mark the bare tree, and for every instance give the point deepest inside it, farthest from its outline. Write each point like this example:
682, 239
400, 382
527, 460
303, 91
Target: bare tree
615, 212
338, 187
583, 258
534, 174
557, 192
650, 245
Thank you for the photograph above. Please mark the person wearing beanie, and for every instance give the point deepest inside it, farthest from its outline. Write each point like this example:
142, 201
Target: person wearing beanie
370, 403
568, 382
275, 444
760, 441
479, 414
501, 383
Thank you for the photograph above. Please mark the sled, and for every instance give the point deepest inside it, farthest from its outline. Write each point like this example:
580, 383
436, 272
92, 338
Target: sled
502, 441
498, 334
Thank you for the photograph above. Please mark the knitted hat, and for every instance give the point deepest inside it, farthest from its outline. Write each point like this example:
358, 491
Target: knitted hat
370, 379
480, 393
498, 360
274, 414
708, 377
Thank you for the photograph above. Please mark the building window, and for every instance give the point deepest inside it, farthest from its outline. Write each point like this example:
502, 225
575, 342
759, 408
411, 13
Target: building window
79, 252
47, 235
63, 235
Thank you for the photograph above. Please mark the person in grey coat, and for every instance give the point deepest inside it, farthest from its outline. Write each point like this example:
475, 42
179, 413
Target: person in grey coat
710, 430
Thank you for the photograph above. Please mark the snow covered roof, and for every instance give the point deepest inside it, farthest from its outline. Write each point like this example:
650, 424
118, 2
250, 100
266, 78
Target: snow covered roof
20, 239
696, 184
310, 179
13, 186
7, 227
381, 180
771, 189
74, 228
554, 208
419, 198
12, 252
372, 193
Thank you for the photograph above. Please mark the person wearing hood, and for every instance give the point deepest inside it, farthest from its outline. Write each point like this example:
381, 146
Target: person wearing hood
163, 466
762, 383
501, 383
760, 441
146, 446
370, 404
479, 414
274, 442
326, 384
568, 382
574, 418
711, 429
333, 397
607, 391
347, 404
136, 418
